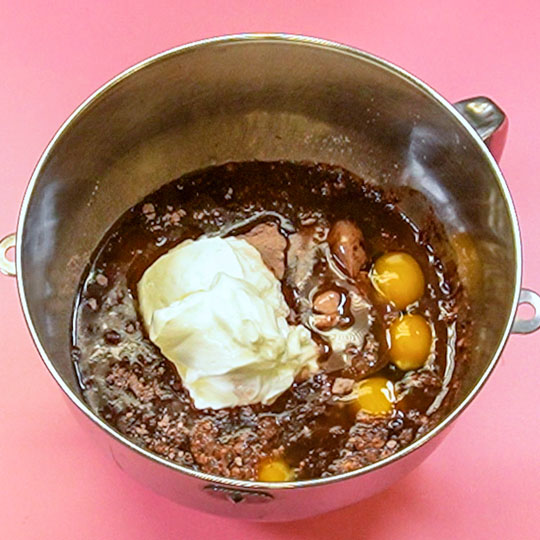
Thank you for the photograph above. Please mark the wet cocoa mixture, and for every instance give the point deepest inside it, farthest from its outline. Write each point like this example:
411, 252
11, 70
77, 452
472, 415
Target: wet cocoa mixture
320, 229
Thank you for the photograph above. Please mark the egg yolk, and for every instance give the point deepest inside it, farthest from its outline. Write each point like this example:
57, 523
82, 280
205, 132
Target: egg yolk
469, 263
398, 278
375, 395
275, 470
410, 341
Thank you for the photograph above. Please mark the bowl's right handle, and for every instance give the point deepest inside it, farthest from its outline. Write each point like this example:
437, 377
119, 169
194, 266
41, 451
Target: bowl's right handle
7, 266
488, 120
526, 326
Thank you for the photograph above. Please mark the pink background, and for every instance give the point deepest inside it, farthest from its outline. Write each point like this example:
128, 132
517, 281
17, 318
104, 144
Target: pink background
484, 480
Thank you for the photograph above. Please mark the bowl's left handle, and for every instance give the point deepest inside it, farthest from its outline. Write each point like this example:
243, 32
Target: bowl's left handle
7, 266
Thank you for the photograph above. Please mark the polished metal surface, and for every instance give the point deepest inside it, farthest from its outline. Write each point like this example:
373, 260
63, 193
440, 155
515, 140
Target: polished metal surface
263, 97
7, 266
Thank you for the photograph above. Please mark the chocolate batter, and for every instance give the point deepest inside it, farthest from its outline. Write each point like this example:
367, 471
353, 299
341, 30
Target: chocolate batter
318, 229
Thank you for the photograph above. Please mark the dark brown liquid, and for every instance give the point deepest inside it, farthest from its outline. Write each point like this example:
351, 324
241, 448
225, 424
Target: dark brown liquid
129, 383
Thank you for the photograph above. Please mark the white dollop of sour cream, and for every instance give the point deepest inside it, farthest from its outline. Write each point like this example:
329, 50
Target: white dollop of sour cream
215, 310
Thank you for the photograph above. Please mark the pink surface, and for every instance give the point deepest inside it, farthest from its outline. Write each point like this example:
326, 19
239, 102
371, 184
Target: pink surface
484, 480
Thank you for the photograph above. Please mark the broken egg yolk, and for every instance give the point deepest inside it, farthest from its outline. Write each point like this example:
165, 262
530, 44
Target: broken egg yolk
398, 278
375, 395
275, 470
410, 341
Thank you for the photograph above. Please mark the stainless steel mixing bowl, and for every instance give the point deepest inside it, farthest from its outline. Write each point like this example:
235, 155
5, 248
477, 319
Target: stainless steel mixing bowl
267, 97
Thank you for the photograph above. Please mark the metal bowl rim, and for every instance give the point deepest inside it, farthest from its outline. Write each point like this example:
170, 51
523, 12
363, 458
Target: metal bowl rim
291, 39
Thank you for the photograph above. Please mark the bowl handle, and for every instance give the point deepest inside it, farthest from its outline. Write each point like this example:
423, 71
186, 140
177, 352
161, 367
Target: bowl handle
488, 120
237, 496
7, 266
526, 326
